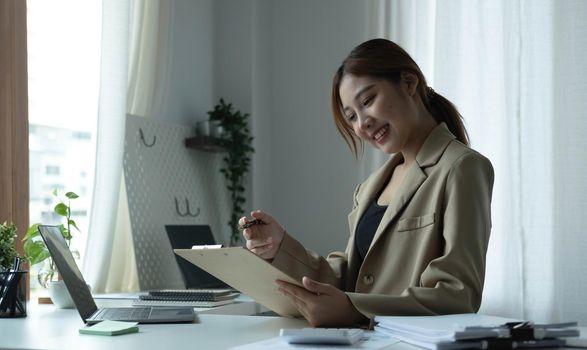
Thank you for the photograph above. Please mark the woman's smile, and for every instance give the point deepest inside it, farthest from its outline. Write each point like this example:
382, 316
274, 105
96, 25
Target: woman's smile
380, 136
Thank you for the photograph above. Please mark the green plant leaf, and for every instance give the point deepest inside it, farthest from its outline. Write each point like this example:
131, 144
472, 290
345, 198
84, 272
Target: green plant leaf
72, 223
71, 195
36, 251
34, 248
7, 244
32, 232
65, 232
61, 209
237, 142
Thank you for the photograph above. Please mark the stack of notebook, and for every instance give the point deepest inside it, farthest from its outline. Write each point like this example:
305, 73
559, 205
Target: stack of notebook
474, 331
187, 297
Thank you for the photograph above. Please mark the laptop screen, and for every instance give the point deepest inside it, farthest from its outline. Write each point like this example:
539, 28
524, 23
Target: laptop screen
70, 273
184, 237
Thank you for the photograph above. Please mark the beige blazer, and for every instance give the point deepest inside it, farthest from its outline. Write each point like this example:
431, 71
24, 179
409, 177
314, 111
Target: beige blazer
428, 253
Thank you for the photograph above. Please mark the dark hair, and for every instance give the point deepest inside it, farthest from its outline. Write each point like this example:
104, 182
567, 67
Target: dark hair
385, 59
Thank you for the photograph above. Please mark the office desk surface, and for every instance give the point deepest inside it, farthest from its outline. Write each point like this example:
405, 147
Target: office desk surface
47, 327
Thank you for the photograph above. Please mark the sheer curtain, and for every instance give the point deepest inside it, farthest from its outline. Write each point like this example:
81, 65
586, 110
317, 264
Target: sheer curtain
109, 140
149, 61
514, 70
134, 79
148, 81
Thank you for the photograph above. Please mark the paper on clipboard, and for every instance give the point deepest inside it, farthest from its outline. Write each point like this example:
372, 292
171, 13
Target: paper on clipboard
246, 272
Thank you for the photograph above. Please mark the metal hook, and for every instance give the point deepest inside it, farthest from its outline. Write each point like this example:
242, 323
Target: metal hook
189, 211
187, 207
142, 135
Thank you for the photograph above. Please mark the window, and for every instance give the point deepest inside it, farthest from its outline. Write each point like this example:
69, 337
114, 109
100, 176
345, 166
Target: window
52, 170
64, 69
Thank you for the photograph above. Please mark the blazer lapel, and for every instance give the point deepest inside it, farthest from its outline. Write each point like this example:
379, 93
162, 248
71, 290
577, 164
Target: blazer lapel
372, 188
429, 154
412, 181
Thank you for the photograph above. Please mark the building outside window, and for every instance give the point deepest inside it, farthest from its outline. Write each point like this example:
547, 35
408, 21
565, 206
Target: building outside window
64, 67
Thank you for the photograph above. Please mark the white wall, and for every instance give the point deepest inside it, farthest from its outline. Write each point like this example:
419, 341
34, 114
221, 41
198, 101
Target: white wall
308, 180
191, 61
275, 60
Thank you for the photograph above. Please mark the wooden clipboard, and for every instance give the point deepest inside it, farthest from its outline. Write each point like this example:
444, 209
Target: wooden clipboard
246, 272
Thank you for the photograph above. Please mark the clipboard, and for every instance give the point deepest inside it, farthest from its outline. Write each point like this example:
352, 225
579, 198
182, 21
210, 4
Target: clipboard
246, 272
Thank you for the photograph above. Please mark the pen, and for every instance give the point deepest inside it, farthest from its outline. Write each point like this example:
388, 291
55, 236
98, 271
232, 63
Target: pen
252, 223
16, 264
10, 283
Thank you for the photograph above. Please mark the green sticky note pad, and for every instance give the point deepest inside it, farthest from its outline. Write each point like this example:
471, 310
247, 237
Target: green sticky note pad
111, 328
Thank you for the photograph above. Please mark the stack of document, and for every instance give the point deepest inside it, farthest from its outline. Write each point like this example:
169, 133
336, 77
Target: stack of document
187, 297
474, 331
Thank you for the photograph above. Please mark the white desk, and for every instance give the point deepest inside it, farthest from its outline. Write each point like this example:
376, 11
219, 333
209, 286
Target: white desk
47, 327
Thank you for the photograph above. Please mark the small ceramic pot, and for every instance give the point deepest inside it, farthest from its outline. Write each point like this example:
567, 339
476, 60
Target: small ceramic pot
59, 295
211, 128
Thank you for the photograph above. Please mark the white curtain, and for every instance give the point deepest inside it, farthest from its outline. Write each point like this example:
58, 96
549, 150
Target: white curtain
141, 69
149, 60
148, 82
110, 141
515, 70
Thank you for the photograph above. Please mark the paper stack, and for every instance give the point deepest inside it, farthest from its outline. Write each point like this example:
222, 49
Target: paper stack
474, 331
187, 297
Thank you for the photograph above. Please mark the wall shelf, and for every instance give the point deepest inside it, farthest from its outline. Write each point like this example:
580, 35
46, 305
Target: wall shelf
205, 143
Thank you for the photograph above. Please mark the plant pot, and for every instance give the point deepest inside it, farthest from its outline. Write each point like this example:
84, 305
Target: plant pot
209, 128
59, 295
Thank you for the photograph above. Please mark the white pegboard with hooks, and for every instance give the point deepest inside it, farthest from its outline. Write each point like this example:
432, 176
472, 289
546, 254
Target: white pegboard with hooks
169, 184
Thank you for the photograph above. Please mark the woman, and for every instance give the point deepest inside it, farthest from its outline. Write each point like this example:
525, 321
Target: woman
419, 225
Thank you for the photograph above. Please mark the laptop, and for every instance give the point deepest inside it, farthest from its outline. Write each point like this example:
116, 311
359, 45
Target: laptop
184, 237
82, 297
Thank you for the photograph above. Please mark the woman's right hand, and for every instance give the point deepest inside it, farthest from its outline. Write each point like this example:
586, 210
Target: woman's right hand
263, 239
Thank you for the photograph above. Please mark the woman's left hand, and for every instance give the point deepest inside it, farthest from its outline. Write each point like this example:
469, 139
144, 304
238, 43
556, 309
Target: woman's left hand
322, 304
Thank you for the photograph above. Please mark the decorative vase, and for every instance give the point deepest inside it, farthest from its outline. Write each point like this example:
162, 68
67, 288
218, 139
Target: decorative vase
60, 295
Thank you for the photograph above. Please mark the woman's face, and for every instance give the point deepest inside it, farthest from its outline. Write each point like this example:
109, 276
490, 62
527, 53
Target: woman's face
380, 112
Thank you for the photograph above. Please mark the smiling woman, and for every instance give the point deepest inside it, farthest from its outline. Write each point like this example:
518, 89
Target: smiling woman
366, 65
419, 225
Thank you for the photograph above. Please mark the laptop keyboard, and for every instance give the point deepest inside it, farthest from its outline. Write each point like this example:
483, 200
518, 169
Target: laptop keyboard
124, 314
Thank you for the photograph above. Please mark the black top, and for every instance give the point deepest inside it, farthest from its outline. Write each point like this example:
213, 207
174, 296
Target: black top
367, 227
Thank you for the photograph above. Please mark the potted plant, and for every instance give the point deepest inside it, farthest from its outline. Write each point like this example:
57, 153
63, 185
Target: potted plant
7, 245
36, 252
236, 139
